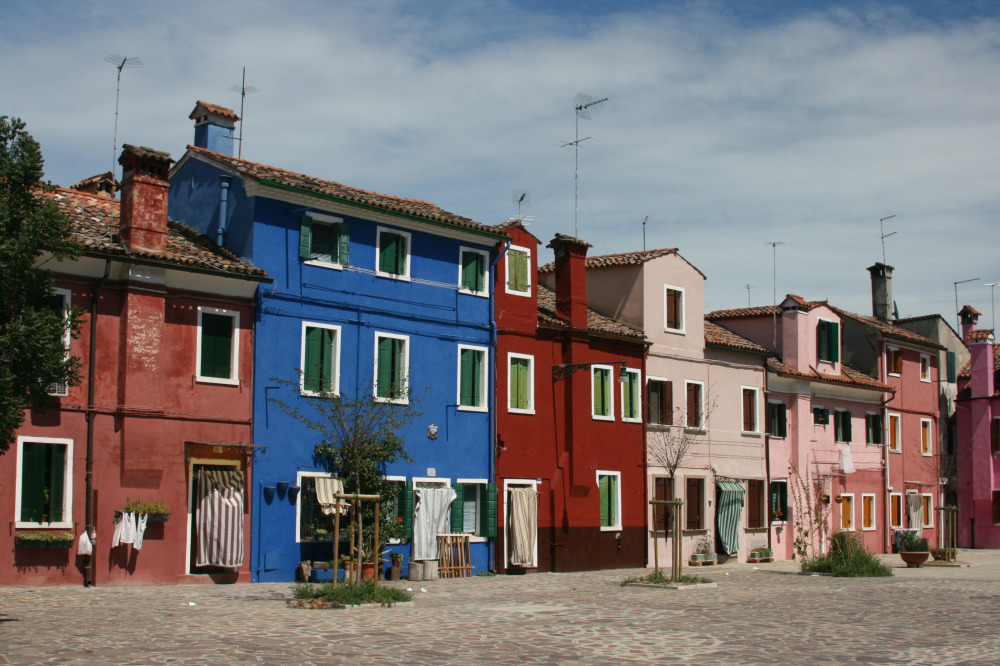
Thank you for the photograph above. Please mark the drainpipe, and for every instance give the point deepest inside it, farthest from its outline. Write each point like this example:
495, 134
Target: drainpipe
223, 205
491, 552
88, 574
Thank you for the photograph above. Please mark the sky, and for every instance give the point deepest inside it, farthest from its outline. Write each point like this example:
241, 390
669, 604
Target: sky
727, 126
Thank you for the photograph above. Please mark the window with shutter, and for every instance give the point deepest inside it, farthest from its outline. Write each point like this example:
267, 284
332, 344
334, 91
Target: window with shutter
895, 510
755, 503
779, 501
749, 410
324, 239
663, 491
472, 277
927, 501
925, 368
320, 358
488, 511
868, 512
610, 499
895, 434
518, 262
630, 396
694, 405
842, 425
471, 377
894, 361
217, 348
996, 507
821, 416
926, 441
45, 465
60, 303
600, 377
777, 419
520, 383
393, 254
873, 429
391, 367
828, 340
694, 497
660, 402
846, 511
673, 309
995, 436
952, 361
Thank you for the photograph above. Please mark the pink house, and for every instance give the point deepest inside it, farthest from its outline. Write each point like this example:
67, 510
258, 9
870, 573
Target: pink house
978, 445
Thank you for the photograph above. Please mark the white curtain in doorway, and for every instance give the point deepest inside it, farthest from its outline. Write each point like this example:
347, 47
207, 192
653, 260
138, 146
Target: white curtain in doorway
219, 525
431, 517
915, 511
523, 526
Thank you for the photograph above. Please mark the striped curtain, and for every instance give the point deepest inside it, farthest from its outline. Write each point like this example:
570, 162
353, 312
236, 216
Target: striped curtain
326, 488
727, 515
431, 517
523, 526
219, 526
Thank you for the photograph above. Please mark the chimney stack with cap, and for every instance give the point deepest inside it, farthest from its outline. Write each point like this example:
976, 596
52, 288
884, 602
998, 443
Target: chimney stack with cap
571, 279
213, 127
881, 291
145, 191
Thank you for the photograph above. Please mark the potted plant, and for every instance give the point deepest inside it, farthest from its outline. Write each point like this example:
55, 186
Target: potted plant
704, 553
347, 564
158, 510
761, 554
396, 568
913, 549
44, 539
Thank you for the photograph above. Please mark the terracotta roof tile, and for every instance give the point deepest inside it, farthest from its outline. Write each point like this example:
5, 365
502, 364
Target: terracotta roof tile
623, 259
981, 335
966, 371
261, 172
214, 109
848, 377
595, 321
94, 221
718, 336
740, 313
890, 330
970, 310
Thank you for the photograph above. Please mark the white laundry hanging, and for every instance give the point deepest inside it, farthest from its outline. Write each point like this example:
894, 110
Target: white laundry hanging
117, 538
128, 527
140, 528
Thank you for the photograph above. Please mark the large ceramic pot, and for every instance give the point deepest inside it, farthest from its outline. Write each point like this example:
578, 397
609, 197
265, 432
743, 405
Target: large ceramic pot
367, 571
914, 559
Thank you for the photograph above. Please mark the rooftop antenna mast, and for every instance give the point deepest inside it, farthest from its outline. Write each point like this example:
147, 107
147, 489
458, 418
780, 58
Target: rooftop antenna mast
243, 89
774, 287
120, 62
881, 227
582, 107
644, 232
748, 287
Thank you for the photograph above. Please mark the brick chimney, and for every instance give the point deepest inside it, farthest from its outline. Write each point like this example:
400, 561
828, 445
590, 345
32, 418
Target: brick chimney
881, 291
969, 317
213, 127
571, 279
145, 189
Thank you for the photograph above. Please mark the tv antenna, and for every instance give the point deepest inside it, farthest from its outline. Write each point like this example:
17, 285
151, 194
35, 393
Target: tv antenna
881, 227
243, 89
748, 287
582, 107
644, 220
521, 197
774, 286
120, 62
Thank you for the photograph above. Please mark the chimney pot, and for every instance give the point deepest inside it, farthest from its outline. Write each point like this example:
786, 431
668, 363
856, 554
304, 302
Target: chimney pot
145, 189
213, 127
571, 279
881, 276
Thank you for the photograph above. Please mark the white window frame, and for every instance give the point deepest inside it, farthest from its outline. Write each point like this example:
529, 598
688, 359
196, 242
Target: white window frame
848, 497
927, 499
683, 292
486, 272
405, 277
889, 351
328, 220
617, 527
61, 389
637, 399
610, 416
925, 368
405, 390
67, 522
506, 267
874, 512
507, 485
397, 479
902, 511
335, 374
840, 326
897, 445
483, 381
756, 408
482, 484
298, 504
531, 383
701, 407
234, 377
927, 426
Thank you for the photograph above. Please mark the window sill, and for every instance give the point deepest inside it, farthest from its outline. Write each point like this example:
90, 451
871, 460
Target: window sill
466, 408
616, 528
895, 450
394, 401
598, 417
314, 394
893, 374
696, 429
217, 380
511, 410
755, 530
751, 433
468, 292
392, 276
631, 420
20, 525
324, 264
514, 292
675, 331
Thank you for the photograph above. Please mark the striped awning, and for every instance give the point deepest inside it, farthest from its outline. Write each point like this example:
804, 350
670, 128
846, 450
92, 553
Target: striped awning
727, 514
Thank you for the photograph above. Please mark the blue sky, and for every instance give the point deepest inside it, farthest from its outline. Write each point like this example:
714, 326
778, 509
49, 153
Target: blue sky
728, 125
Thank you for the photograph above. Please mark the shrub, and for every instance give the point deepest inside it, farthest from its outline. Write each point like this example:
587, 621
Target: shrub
365, 593
911, 542
45, 536
847, 559
659, 578
146, 506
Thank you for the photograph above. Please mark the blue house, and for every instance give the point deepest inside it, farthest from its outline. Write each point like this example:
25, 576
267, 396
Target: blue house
370, 291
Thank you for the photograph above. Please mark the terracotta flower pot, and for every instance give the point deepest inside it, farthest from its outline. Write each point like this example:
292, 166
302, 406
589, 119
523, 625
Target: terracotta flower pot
914, 559
367, 571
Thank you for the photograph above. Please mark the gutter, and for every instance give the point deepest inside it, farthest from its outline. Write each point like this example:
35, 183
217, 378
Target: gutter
88, 574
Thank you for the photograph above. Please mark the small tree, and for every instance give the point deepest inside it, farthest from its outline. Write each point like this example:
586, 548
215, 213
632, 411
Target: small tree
669, 445
810, 518
358, 437
32, 352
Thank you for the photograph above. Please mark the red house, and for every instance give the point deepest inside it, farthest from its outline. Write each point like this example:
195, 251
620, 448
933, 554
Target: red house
570, 433
163, 413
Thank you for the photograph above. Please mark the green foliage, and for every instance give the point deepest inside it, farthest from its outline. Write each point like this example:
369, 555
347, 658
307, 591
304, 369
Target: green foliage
140, 505
486, 574
847, 559
706, 545
912, 542
31, 331
365, 593
658, 577
46, 537
761, 553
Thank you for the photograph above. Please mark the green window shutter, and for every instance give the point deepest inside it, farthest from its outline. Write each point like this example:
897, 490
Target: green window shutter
613, 500
951, 366
833, 344
216, 345
604, 488
311, 380
56, 481
519, 383
629, 407
517, 262
384, 378
32, 481
305, 236
782, 420
846, 418
458, 508
344, 242
488, 509
600, 392
406, 507
388, 258
469, 378
472, 271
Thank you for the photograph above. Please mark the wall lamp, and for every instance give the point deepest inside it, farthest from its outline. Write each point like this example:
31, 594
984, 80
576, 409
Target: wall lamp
566, 370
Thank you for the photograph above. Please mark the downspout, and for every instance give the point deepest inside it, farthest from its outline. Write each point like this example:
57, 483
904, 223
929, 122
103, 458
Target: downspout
88, 575
491, 552
223, 205
767, 460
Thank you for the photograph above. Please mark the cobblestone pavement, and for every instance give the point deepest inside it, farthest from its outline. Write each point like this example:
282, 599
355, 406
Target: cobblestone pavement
758, 614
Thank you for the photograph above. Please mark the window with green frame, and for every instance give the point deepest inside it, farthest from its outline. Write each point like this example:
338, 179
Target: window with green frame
217, 331
873, 429
601, 380
777, 419
779, 501
842, 425
608, 491
828, 340
518, 277
326, 239
473, 272
319, 358
474, 510
630, 397
393, 253
519, 380
391, 367
43, 482
471, 377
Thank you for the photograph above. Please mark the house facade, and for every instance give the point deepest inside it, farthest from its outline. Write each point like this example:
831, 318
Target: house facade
569, 441
163, 413
978, 438
704, 394
373, 295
